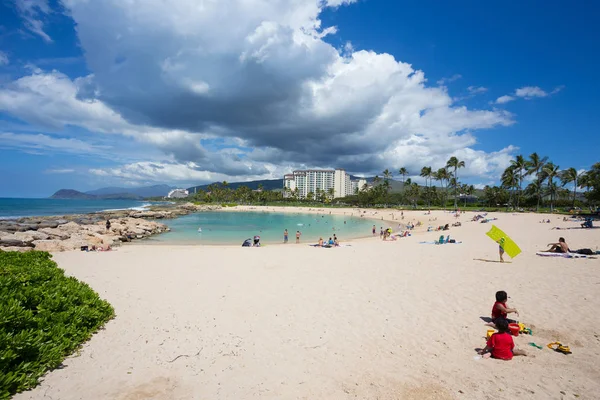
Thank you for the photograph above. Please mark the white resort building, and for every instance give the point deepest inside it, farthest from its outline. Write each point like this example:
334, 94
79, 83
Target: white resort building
178, 194
309, 180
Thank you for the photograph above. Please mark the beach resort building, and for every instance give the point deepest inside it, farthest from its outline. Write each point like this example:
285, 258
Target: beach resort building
325, 180
178, 194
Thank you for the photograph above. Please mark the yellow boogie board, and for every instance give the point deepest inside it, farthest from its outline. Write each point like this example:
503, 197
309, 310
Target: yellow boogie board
510, 247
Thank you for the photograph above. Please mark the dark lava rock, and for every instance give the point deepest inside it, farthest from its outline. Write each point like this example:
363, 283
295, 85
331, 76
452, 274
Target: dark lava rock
15, 243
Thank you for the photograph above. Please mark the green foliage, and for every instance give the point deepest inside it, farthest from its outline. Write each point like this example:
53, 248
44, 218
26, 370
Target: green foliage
44, 317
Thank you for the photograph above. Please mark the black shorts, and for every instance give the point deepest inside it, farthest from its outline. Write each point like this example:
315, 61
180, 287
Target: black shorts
510, 321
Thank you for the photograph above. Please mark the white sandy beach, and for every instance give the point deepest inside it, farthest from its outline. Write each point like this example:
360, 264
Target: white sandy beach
372, 320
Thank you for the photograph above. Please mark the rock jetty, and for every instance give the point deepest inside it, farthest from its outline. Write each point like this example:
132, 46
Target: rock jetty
71, 232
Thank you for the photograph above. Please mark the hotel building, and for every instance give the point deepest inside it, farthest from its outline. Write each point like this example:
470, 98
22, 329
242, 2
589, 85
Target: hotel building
309, 180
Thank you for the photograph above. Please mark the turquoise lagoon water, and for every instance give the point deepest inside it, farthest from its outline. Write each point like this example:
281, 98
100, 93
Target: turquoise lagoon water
234, 227
14, 208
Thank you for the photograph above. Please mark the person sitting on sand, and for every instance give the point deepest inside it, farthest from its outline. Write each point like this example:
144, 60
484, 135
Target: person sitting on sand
501, 344
107, 248
336, 242
500, 310
320, 242
560, 247
331, 242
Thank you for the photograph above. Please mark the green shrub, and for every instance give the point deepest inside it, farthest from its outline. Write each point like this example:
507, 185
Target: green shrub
44, 317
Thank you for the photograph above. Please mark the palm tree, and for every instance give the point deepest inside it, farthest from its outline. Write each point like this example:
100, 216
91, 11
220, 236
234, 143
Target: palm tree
570, 175
387, 174
585, 181
468, 190
454, 162
443, 176
534, 165
413, 193
551, 171
330, 193
376, 180
427, 174
510, 181
520, 166
403, 172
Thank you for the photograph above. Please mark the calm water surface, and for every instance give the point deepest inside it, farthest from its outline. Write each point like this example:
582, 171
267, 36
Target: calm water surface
14, 208
234, 227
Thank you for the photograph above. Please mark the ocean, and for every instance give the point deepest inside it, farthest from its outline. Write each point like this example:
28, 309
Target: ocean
234, 227
217, 227
14, 208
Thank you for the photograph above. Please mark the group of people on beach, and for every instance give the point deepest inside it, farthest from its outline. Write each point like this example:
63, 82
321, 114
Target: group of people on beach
332, 242
286, 236
501, 344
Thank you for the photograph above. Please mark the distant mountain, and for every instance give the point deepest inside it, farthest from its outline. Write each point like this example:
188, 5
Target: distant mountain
145, 191
268, 184
77, 195
71, 194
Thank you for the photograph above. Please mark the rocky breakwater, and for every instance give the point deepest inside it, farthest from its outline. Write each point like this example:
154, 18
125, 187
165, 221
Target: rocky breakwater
71, 232
57, 236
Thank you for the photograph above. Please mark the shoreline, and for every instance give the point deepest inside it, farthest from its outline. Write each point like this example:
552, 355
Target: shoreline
24, 233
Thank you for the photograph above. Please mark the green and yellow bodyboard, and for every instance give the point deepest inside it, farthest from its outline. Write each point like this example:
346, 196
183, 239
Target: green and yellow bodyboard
509, 246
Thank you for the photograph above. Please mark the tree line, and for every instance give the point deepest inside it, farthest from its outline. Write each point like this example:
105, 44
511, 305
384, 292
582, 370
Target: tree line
528, 183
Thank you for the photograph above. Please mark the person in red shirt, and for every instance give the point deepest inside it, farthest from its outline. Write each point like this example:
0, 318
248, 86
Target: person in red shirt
501, 344
500, 309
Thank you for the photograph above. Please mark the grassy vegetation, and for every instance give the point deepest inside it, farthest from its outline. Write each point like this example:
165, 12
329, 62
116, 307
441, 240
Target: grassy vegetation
44, 317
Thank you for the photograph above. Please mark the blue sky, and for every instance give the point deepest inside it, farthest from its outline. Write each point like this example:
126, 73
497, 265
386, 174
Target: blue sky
108, 93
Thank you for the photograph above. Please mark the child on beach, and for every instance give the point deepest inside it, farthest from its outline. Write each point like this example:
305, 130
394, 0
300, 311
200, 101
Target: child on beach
501, 248
501, 344
500, 311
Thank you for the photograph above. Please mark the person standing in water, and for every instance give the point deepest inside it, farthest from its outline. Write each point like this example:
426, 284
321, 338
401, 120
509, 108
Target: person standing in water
285, 236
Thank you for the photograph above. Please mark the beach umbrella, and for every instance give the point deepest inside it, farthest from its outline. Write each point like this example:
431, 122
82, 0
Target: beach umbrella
510, 247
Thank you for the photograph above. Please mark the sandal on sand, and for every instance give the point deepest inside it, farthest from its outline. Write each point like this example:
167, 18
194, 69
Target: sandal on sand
559, 348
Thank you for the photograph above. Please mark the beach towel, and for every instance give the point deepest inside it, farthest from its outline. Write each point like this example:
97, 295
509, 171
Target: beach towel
564, 255
509, 246
439, 243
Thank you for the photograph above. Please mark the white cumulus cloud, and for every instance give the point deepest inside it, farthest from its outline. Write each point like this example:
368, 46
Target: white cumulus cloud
504, 99
529, 92
240, 88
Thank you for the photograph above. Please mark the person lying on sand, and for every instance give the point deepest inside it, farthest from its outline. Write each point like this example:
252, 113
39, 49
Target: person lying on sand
500, 310
560, 247
501, 344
